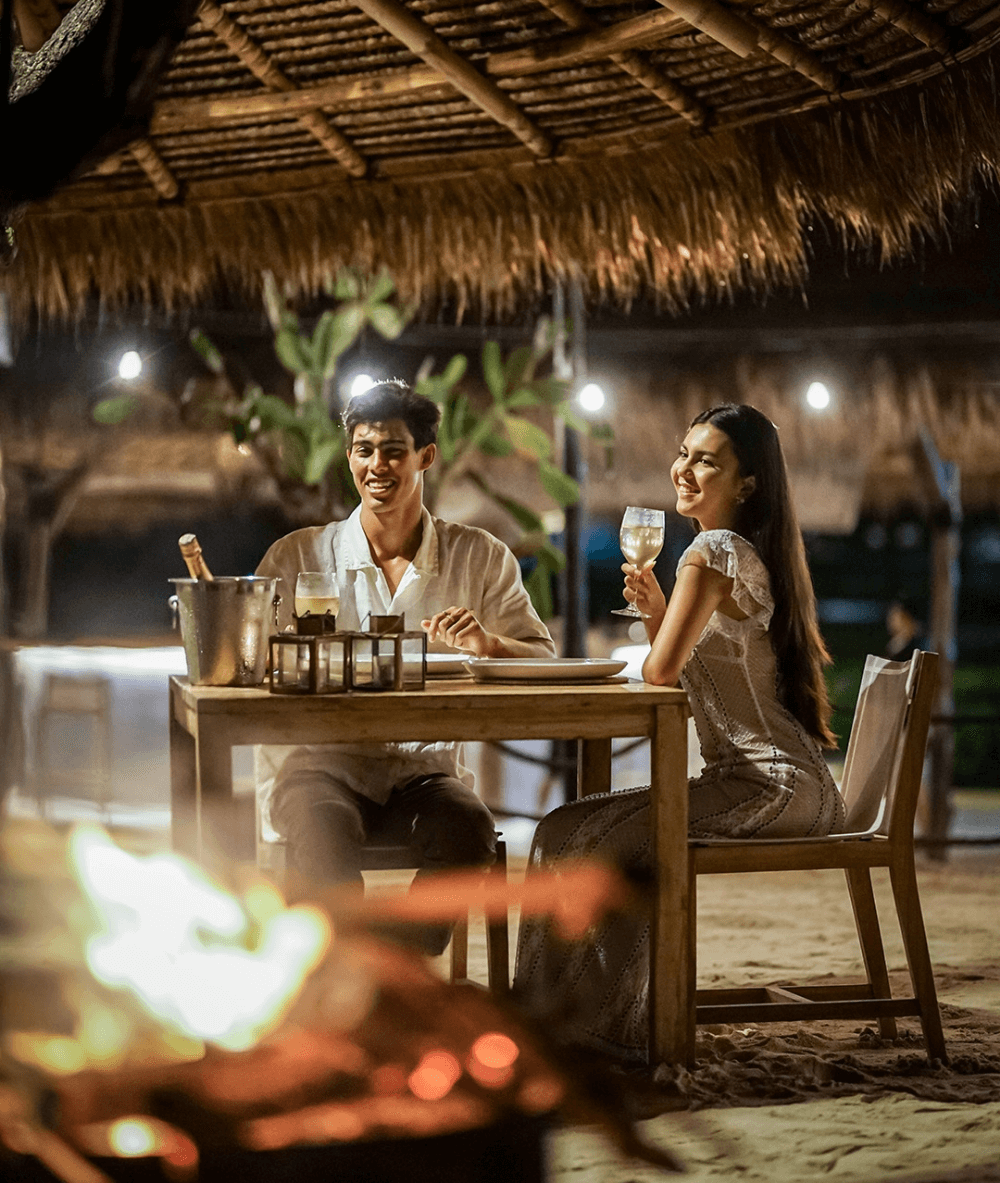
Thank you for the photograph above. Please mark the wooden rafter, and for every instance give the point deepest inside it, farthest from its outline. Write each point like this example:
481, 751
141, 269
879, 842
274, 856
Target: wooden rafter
744, 37
153, 165
426, 44
600, 42
911, 20
254, 58
634, 64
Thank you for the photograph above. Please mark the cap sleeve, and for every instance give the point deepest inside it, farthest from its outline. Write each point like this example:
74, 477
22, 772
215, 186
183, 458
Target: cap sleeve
734, 557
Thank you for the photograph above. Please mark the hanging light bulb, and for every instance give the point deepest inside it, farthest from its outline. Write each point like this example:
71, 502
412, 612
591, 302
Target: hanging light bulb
591, 397
361, 383
818, 396
130, 365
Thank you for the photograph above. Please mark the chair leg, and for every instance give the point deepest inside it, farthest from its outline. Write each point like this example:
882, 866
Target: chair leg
460, 951
859, 884
903, 876
497, 935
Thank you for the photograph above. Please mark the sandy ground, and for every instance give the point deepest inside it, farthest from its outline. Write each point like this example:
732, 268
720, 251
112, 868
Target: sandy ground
828, 1100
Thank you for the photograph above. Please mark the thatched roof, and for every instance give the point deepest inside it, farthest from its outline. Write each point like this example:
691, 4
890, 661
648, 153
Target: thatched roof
479, 150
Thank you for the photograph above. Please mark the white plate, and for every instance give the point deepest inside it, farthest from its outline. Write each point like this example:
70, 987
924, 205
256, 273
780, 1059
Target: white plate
439, 664
543, 669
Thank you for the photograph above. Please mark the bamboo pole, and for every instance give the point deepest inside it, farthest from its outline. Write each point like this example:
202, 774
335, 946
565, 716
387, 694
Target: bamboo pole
911, 20
154, 166
426, 44
743, 37
654, 80
597, 42
254, 58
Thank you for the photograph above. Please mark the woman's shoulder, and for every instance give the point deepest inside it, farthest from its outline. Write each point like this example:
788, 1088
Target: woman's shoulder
735, 557
724, 550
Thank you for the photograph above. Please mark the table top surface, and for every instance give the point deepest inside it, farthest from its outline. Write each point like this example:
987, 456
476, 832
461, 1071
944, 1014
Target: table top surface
446, 691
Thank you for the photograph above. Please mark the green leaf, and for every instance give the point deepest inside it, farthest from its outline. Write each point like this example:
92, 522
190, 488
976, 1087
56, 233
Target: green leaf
496, 444
528, 437
493, 370
382, 288
524, 397
454, 371
274, 302
208, 353
348, 285
551, 390
293, 454
348, 323
518, 365
551, 557
561, 488
538, 585
569, 414
323, 343
111, 411
293, 351
526, 518
273, 412
386, 320
318, 460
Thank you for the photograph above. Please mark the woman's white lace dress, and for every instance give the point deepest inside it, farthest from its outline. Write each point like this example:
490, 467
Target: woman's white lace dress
764, 777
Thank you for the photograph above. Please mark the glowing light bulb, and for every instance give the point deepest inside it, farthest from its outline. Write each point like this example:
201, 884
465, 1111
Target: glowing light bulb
361, 383
130, 365
818, 396
591, 397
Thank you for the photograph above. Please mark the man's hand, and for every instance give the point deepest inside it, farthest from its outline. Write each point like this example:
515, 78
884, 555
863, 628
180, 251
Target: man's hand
459, 628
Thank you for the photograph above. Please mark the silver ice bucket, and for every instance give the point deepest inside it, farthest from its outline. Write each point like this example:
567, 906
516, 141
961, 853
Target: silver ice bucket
225, 624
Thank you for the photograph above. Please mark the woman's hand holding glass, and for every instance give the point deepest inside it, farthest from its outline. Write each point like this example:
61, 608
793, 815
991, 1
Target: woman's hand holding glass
644, 593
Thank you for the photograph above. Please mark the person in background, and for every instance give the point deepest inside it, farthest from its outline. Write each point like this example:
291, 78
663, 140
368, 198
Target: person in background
392, 557
739, 633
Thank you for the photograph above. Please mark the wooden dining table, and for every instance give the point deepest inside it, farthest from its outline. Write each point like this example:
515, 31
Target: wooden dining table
207, 722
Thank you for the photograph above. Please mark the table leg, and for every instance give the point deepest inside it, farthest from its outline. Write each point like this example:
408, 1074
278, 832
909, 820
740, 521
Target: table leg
672, 964
225, 823
183, 789
593, 767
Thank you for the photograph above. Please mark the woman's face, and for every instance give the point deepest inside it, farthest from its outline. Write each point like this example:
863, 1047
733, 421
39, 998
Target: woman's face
707, 478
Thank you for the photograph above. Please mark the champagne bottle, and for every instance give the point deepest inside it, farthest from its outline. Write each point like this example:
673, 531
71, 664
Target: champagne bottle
191, 551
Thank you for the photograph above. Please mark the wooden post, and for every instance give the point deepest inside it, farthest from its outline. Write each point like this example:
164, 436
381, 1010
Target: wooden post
942, 479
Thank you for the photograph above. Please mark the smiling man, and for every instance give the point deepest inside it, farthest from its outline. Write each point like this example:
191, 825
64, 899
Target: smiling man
391, 557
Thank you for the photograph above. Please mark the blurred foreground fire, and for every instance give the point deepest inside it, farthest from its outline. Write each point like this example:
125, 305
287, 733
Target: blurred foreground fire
150, 1011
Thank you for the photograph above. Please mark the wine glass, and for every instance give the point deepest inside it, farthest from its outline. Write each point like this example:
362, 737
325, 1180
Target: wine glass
316, 594
641, 541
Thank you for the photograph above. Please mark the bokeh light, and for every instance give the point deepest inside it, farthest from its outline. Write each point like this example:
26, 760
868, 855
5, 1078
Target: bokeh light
591, 397
434, 1076
818, 396
361, 383
130, 365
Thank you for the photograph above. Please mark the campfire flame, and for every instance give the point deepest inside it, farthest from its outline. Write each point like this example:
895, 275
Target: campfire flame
198, 959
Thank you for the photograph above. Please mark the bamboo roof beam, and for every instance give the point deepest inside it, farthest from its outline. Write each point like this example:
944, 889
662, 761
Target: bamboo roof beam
918, 24
743, 37
632, 63
600, 42
154, 166
426, 44
254, 58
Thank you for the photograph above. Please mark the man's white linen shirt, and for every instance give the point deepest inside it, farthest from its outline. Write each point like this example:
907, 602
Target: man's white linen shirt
454, 565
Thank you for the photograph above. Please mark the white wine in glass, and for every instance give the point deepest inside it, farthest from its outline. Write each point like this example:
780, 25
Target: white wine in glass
316, 594
641, 541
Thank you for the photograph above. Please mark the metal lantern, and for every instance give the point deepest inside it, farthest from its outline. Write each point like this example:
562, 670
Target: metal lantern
387, 657
312, 661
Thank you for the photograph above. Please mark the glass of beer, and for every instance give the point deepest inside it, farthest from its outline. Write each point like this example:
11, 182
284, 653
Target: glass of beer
316, 594
641, 541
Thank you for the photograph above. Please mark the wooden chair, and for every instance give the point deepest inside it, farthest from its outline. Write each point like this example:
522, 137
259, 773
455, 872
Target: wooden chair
271, 857
880, 787
68, 697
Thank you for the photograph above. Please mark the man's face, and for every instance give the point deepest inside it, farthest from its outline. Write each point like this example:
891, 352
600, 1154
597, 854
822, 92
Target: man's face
386, 467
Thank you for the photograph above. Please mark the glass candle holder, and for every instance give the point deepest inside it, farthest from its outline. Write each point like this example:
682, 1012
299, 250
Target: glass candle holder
388, 661
319, 663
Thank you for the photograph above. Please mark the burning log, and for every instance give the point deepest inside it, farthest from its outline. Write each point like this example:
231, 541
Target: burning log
353, 1040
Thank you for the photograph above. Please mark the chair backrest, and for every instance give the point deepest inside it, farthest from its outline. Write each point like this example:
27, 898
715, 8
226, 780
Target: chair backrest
890, 725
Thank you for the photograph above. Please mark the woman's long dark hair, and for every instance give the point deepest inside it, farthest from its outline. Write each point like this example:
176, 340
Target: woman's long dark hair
767, 519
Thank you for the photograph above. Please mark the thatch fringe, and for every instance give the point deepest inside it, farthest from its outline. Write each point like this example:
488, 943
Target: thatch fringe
689, 219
